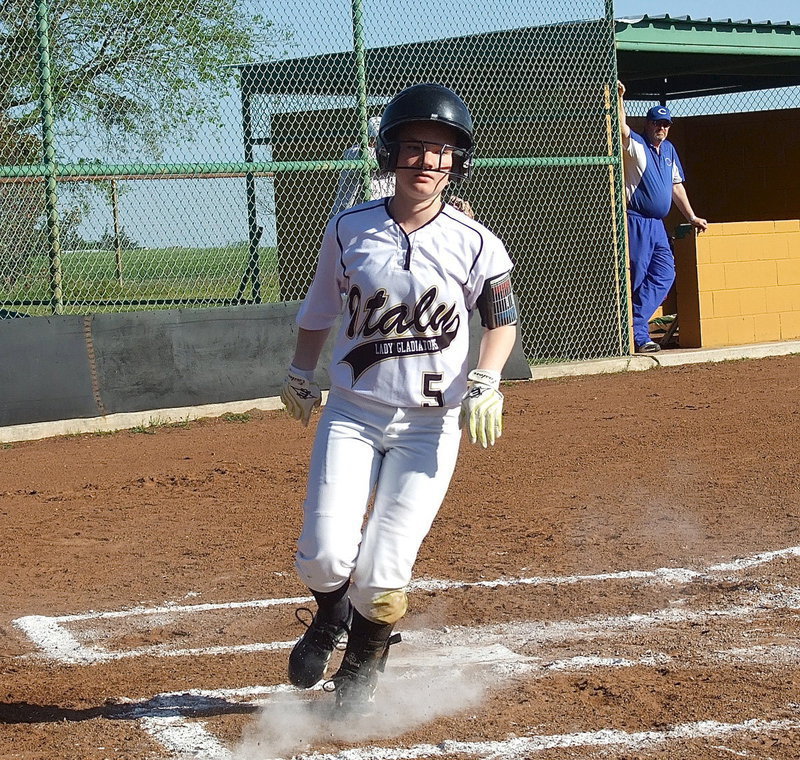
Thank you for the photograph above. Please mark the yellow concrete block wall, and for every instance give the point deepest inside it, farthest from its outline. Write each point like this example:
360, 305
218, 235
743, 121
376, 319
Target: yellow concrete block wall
790, 325
766, 326
741, 284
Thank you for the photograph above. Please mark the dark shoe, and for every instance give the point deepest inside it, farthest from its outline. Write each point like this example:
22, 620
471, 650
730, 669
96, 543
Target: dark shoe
356, 680
313, 652
651, 347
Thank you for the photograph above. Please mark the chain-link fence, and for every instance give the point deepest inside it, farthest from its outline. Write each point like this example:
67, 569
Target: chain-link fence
184, 153
740, 102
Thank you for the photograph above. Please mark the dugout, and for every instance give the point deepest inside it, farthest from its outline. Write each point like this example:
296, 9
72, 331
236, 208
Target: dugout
529, 87
729, 86
741, 166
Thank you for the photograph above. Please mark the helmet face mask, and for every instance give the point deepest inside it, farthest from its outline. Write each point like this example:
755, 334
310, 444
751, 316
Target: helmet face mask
410, 154
434, 104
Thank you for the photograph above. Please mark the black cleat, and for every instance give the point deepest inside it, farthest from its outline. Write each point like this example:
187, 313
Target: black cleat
355, 684
356, 680
313, 652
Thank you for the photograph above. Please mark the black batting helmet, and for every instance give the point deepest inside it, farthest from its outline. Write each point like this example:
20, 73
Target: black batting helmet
432, 103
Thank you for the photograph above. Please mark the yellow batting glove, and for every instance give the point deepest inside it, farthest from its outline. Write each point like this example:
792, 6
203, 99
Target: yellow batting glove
482, 407
300, 393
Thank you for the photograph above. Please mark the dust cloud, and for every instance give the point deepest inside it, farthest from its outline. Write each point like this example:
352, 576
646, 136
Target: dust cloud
297, 722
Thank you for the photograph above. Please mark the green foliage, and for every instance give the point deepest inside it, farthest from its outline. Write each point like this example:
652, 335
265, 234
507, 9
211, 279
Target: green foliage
145, 429
137, 70
236, 417
21, 204
128, 73
109, 242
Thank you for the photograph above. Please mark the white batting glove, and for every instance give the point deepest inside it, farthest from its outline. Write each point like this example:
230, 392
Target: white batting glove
482, 407
300, 393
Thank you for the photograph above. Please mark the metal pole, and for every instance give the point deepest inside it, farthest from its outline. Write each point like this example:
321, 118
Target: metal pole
253, 230
49, 156
359, 47
617, 193
117, 241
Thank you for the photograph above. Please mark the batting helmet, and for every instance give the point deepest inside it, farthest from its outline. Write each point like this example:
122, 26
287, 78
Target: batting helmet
426, 102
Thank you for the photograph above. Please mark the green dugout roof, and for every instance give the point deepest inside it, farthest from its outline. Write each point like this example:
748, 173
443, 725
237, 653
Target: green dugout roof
658, 58
669, 58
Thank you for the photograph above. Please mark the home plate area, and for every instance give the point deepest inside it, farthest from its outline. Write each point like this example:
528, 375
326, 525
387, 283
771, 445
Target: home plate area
694, 662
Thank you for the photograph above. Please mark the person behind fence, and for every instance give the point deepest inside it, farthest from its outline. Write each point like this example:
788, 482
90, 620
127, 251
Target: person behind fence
350, 189
407, 271
653, 182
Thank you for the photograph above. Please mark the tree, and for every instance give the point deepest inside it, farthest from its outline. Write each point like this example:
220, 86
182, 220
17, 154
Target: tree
109, 242
21, 205
133, 69
130, 73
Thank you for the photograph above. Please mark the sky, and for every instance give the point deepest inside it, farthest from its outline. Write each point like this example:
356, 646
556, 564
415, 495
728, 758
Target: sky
760, 10
323, 26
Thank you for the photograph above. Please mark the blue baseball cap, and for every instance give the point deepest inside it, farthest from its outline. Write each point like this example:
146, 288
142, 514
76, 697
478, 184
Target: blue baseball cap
659, 113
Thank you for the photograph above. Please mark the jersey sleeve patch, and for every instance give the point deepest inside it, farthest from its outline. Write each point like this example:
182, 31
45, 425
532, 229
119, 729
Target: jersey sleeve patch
496, 303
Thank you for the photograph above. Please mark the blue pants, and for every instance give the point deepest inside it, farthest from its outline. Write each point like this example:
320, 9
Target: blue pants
652, 271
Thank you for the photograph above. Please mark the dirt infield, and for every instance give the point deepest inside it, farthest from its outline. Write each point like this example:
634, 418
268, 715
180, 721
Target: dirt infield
618, 578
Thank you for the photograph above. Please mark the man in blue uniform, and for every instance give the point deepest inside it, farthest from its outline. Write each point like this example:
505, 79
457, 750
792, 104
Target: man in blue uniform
653, 182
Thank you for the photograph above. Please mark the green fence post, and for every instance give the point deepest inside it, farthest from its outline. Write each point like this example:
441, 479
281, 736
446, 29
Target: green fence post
49, 156
617, 187
252, 273
359, 46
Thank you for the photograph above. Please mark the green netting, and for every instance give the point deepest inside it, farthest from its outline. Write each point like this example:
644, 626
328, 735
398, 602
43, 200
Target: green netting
184, 153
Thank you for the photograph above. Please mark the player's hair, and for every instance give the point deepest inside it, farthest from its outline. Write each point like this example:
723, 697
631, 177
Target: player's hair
426, 103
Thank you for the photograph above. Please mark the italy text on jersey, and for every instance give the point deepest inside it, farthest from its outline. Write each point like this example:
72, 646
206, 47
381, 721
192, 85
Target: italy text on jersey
426, 328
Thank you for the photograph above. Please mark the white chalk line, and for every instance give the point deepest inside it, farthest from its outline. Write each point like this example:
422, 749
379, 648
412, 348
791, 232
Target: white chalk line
188, 609
170, 717
54, 641
191, 702
521, 747
527, 632
186, 739
59, 644
176, 733
167, 717
191, 739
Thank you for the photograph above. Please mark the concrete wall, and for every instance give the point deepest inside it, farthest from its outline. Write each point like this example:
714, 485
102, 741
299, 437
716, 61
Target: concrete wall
739, 283
61, 368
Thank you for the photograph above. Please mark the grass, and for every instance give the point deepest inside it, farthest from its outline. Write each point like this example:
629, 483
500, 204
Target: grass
163, 274
146, 429
236, 417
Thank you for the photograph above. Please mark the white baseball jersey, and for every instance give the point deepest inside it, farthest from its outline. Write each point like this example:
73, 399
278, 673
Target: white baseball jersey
404, 335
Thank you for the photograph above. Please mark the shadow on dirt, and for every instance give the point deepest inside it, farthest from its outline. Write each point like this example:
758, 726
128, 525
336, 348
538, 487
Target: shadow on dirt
162, 706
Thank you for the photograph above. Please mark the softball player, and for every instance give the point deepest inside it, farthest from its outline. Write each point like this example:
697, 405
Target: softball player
404, 272
349, 190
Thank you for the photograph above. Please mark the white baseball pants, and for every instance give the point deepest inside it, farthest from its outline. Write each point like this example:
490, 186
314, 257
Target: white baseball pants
404, 458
